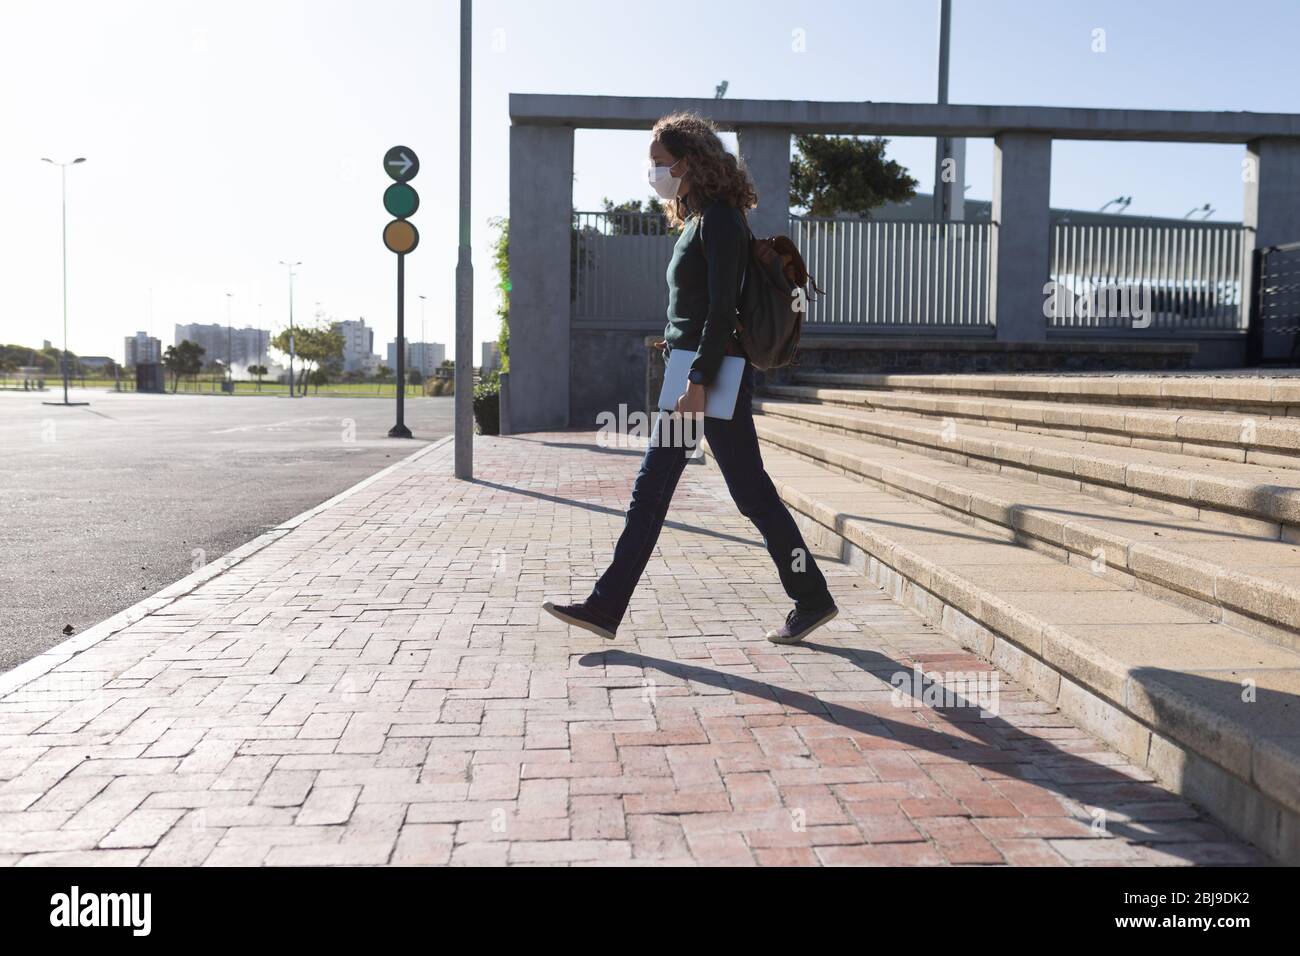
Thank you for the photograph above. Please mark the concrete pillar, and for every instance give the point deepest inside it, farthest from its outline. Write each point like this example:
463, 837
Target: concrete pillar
1019, 253
541, 213
767, 154
1271, 215
1272, 198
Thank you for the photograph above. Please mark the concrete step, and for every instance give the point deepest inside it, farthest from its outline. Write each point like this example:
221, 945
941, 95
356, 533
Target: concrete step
1261, 500
1211, 711
1248, 582
1225, 436
1272, 395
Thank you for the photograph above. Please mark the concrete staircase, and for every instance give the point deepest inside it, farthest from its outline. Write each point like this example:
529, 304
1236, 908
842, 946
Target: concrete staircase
1127, 546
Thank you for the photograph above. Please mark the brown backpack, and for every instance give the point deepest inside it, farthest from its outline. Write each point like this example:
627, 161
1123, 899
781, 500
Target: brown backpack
773, 301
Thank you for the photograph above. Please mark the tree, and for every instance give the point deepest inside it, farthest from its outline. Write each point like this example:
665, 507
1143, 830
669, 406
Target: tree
15, 356
501, 263
834, 174
183, 359
649, 221
320, 347
258, 371
324, 349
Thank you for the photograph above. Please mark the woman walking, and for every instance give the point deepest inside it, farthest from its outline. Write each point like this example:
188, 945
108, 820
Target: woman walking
706, 191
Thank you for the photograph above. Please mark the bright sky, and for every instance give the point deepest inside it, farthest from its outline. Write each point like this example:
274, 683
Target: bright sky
222, 136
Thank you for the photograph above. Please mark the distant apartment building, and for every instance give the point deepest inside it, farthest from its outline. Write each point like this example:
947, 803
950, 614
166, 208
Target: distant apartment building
491, 358
358, 346
141, 349
244, 346
423, 356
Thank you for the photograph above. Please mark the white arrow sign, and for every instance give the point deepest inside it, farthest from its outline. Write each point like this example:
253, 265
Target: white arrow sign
404, 164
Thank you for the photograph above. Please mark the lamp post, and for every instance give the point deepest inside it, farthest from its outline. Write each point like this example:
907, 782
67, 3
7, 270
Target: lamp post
290, 266
230, 346
464, 431
63, 183
424, 345
948, 202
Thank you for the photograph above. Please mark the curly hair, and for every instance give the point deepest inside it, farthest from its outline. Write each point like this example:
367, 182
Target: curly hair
714, 172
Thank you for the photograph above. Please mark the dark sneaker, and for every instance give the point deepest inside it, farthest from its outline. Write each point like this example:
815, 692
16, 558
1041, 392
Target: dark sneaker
799, 624
579, 616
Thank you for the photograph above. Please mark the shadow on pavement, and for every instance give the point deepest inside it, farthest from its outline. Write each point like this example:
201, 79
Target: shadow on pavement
1094, 785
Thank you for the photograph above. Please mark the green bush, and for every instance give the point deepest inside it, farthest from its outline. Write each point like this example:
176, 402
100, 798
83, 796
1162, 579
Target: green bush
487, 406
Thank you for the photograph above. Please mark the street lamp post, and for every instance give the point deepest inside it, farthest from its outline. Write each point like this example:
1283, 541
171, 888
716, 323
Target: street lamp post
230, 346
290, 266
63, 182
948, 201
465, 268
424, 345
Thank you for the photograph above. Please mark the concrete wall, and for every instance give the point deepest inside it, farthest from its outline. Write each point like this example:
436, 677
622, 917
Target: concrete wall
607, 369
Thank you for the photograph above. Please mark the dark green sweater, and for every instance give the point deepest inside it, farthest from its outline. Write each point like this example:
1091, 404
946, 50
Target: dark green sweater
704, 284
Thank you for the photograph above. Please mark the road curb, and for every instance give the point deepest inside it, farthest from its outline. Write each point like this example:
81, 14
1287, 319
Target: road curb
49, 659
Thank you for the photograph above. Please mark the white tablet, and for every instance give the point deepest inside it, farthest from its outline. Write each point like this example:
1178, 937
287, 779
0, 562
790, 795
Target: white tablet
720, 396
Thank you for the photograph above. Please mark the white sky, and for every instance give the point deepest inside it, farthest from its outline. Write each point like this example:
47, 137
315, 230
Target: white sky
222, 137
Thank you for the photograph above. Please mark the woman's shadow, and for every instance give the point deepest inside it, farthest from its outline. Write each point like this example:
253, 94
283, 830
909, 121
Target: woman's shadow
1076, 778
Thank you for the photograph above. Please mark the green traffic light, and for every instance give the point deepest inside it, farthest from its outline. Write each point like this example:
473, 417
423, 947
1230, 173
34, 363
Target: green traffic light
401, 200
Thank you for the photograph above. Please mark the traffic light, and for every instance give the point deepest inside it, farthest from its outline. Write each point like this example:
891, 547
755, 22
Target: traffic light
401, 200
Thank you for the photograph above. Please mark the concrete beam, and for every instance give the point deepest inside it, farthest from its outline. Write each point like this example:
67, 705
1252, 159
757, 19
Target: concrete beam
1019, 247
541, 213
908, 119
766, 152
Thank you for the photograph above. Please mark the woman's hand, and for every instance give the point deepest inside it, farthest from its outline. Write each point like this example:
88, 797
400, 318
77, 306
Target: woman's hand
691, 401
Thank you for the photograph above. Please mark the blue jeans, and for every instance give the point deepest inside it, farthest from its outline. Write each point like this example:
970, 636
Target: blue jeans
734, 445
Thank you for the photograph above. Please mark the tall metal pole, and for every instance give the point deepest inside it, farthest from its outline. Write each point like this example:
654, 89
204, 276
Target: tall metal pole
943, 145
230, 346
63, 209
424, 344
291, 383
67, 363
465, 269
290, 266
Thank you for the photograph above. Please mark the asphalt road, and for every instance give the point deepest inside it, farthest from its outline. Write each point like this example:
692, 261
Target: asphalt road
106, 504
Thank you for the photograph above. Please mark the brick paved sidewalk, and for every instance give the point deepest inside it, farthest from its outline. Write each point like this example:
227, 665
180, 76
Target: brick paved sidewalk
379, 686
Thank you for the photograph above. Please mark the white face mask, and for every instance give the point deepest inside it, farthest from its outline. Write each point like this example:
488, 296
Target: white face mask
663, 181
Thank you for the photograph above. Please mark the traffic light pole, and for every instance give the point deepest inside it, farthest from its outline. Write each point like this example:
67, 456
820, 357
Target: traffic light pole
400, 237
400, 430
